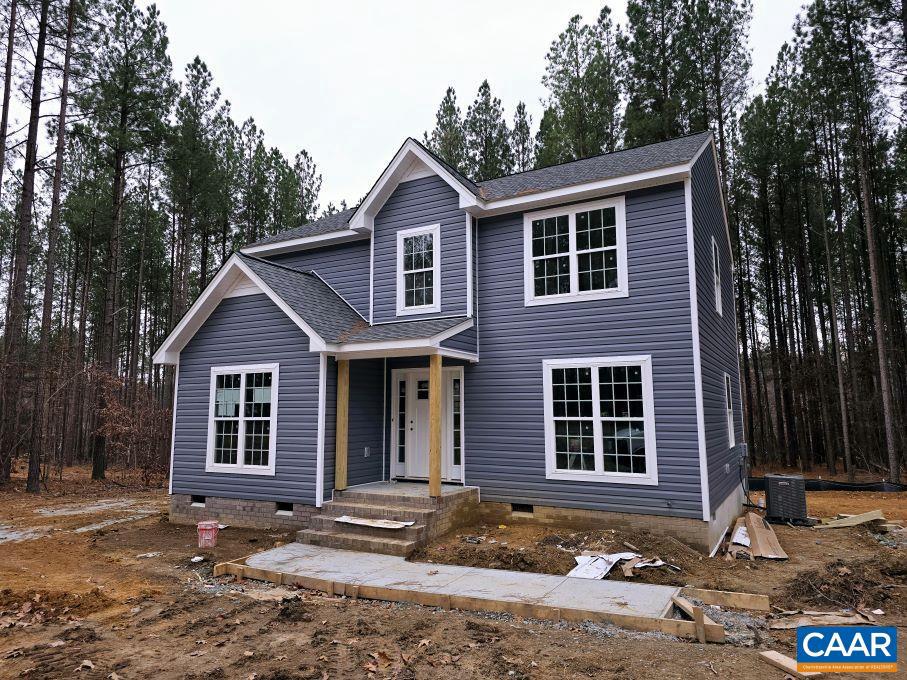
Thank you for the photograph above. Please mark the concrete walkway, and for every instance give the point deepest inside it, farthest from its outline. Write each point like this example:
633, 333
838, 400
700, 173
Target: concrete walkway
491, 589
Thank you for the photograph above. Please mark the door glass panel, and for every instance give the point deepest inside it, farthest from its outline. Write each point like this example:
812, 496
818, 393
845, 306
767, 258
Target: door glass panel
457, 444
401, 421
422, 389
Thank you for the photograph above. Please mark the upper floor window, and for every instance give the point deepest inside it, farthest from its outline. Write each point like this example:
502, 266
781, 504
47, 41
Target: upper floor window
242, 421
716, 277
575, 253
419, 270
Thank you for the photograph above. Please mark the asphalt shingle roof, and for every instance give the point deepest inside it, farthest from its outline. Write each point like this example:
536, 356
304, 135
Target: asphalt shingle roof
606, 166
330, 315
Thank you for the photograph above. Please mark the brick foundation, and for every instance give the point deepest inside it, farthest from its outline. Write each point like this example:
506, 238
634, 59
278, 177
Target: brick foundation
239, 512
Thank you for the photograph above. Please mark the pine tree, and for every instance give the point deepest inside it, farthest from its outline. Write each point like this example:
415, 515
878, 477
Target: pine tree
521, 140
655, 85
448, 139
487, 137
308, 182
551, 141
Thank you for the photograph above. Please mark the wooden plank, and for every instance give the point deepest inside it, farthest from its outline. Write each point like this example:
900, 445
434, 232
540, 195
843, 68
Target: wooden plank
689, 608
725, 598
434, 425
763, 541
786, 664
853, 520
342, 419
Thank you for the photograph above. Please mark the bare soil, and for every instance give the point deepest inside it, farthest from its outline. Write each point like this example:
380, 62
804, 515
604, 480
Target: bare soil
92, 600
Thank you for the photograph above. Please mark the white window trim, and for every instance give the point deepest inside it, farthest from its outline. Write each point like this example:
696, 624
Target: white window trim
599, 475
240, 468
729, 411
435, 307
575, 295
716, 278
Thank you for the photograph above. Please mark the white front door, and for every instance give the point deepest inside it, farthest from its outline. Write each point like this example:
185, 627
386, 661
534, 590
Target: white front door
410, 423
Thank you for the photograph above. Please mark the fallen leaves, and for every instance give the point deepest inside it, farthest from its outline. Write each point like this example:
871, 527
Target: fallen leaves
86, 665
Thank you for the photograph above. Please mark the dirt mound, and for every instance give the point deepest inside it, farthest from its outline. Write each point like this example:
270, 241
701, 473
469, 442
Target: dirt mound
856, 584
37, 606
294, 609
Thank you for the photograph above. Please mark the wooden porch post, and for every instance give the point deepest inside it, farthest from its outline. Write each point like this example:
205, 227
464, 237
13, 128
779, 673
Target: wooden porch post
434, 426
343, 403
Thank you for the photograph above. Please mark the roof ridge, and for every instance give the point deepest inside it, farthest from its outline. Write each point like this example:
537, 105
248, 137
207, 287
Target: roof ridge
598, 155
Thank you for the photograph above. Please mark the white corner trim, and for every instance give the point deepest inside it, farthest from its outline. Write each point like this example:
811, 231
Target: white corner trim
319, 446
598, 475
435, 231
371, 280
575, 295
304, 242
239, 468
469, 256
176, 389
697, 356
231, 271
363, 220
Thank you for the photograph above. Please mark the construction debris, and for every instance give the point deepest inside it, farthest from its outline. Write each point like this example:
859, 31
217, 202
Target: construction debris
795, 619
598, 566
753, 537
853, 520
786, 664
377, 523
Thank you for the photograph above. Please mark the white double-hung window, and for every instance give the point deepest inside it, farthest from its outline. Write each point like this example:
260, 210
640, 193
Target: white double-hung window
600, 420
242, 419
575, 253
419, 270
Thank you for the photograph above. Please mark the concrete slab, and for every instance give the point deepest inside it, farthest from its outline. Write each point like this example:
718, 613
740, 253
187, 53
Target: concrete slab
414, 489
484, 585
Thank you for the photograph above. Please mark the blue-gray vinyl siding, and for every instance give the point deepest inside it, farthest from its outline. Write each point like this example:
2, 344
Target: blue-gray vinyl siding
366, 427
232, 335
717, 333
420, 203
344, 266
330, 425
504, 418
467, 341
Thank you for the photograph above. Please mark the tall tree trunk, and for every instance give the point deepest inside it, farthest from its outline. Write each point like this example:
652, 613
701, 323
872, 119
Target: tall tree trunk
53, 230
7, 86
14, 362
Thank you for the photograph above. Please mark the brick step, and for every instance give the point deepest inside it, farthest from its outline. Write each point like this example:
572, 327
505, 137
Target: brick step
371, 498
377, 511
415, 532
349, 541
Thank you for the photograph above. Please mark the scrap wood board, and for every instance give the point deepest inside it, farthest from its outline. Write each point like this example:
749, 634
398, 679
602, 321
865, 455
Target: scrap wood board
786, 664
852, 520
726, 598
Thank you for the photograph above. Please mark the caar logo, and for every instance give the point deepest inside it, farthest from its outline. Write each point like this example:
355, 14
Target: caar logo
847, 649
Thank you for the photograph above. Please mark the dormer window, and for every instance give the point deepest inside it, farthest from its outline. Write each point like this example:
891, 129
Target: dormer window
419, 270
575, 253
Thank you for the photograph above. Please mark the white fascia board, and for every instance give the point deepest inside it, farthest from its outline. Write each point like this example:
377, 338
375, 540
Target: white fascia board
304, 243
221, 284
397, 170
578, 192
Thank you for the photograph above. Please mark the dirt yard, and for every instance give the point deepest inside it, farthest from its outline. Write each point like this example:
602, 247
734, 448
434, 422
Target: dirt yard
94, 577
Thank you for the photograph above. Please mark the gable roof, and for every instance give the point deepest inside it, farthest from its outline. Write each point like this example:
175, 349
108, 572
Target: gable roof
650, 158
314, 306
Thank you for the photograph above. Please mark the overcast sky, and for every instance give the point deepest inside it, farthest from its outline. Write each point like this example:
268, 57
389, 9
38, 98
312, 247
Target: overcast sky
350, 80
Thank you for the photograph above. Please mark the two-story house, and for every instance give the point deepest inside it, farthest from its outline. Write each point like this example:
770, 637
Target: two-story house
561, 341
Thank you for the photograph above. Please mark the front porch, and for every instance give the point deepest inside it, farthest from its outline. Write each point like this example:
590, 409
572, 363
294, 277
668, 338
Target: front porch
421, 424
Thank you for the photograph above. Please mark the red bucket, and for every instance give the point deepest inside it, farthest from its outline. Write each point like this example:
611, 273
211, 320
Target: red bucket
207, 534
